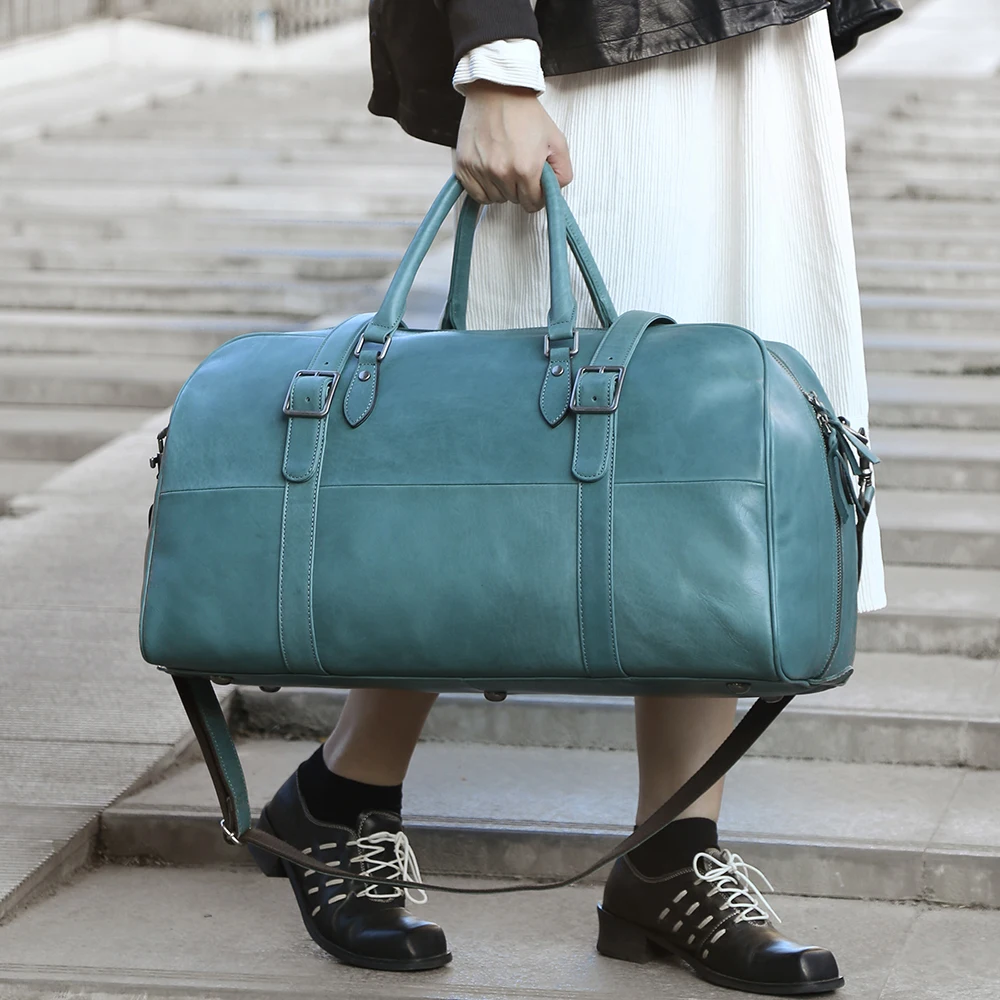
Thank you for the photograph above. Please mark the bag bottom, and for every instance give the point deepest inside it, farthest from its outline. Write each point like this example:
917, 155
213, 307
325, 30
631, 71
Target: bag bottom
622, 687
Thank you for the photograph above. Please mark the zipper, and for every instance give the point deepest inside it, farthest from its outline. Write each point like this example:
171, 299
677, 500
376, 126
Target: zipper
825, 427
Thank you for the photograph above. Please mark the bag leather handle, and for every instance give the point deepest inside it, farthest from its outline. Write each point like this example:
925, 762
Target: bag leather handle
454, 317
562, 310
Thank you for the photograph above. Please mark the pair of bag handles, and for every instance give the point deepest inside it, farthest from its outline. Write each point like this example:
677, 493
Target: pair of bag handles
562, 229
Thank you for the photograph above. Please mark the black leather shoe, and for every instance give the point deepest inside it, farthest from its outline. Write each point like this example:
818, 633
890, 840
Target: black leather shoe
361, 924
714, 919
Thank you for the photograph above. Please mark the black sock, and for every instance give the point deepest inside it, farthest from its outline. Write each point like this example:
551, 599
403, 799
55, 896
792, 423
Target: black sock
675, 846
333, 799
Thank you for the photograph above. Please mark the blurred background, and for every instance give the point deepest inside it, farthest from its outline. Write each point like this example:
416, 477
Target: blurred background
175, 173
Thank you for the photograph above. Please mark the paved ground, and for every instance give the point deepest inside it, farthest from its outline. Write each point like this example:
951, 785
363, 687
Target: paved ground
191, 934
156, 234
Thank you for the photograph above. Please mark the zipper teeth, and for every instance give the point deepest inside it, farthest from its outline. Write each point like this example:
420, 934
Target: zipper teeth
836, 515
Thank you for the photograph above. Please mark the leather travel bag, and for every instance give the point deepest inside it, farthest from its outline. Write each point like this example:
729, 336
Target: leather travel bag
647, 507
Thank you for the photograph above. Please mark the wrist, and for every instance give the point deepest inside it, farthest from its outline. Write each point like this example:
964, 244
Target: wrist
488, 90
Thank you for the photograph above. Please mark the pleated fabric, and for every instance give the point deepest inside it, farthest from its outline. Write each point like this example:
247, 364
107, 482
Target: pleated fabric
711, 185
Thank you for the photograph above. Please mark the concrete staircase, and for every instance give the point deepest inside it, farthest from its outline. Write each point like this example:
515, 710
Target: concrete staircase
869, 807
135, 240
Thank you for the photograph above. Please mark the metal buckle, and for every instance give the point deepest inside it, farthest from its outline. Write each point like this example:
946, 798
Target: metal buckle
573, 351
618, 370
230, 836
381, 354
334, 379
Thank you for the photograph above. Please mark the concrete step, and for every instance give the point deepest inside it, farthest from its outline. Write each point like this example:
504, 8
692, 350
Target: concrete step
140, 291
19, 476
193, 258
851, 830
936, 609
928, 149
243, 128
972, 277
897, 708
923, 185
398, 201
964, 402
47, 331
188, 934
925, 215
103, 380
907, 244
945, 353
978, 113
62, 433
956, 170
257, 228
348, 174
930, 312
939, 528
30, 111
931, 459
87, 152
941, 127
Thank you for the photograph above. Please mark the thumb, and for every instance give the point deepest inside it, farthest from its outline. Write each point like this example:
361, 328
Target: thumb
558, 159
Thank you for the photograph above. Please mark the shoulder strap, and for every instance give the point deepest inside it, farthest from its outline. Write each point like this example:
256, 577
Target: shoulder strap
212, 732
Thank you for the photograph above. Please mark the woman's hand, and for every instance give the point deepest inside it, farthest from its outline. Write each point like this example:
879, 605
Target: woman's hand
504, 140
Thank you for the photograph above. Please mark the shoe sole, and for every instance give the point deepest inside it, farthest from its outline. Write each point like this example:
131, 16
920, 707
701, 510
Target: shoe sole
274, 867
629, 942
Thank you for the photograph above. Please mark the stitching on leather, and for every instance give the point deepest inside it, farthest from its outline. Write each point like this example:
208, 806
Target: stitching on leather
309, 571
569, 391
579, 575
311, 467
371, 391
593, 476
419, 486
354, 381
222, 762
281, 578
610, 550
347, 395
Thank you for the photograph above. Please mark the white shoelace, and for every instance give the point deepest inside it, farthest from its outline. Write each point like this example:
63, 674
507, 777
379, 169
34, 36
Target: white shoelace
401, 863
731, 875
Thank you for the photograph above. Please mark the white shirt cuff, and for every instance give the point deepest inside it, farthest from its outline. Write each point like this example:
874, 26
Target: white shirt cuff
511, 62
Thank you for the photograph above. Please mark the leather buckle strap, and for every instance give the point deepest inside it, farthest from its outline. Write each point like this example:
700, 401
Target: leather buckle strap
577, 407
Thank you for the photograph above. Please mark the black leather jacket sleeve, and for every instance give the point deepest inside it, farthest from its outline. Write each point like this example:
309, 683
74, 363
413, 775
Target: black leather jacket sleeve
479, 22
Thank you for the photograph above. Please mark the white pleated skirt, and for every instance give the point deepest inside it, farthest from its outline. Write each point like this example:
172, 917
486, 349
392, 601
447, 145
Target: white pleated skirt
711, 185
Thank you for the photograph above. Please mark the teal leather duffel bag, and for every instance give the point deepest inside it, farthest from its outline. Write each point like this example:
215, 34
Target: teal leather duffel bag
647, 507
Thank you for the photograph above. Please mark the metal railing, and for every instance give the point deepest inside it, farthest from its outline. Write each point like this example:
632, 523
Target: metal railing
261, 20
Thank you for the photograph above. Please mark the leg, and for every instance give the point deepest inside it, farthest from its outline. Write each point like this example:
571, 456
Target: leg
674, 737
679, 891
376, 735
342, 805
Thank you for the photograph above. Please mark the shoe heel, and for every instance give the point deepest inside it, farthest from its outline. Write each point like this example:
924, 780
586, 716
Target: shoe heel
271, 866
620, 939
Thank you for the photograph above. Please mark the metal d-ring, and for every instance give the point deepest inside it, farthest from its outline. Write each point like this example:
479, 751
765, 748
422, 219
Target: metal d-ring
382, 351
